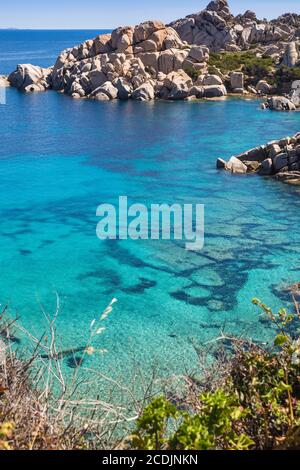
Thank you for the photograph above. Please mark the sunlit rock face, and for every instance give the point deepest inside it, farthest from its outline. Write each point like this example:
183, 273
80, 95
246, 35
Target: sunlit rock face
218, 29
137, 61
31, 78
130, 62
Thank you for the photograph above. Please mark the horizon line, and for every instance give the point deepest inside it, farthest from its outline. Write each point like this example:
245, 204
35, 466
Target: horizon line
56, 29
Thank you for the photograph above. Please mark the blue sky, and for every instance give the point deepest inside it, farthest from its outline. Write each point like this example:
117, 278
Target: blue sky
100, 14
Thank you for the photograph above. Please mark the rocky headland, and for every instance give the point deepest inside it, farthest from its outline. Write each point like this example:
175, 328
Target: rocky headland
280, 159
205, 55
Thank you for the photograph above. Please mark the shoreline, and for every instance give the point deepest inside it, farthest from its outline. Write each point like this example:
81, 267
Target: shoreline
279, 159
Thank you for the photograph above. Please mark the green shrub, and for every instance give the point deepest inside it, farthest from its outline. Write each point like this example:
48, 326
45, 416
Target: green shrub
152, 425
193, 74
247, 62
286, 75
256, 407
212, 426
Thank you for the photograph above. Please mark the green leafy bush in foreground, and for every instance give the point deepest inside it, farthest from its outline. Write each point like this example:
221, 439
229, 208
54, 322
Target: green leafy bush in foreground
256, 407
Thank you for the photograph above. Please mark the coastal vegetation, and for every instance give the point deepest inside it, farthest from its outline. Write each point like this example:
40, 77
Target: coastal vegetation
284, 76
255, 405
249, 400
249, 397
245, 61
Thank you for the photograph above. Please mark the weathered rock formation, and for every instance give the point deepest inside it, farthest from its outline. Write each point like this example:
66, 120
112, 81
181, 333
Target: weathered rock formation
280, 159
237, 82
290, 102
152, 60
279, 103
31, 78
141, 62
218, 29
210, 27
291, 55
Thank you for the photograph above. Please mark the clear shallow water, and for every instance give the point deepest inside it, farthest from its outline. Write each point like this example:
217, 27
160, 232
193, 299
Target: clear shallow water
37, 47
60, 158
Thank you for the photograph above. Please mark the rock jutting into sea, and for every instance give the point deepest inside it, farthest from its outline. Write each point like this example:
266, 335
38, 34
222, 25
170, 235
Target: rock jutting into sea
187, 59
279, 158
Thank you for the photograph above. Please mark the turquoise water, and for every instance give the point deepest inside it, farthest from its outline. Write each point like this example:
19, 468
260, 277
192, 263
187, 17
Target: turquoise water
60, 158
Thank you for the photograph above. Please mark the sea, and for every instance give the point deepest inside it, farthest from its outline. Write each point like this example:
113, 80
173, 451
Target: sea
61, 158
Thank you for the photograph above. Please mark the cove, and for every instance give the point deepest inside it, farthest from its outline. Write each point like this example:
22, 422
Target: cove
60, 158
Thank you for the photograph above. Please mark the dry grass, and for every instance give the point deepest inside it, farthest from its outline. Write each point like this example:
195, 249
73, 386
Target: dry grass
42, 409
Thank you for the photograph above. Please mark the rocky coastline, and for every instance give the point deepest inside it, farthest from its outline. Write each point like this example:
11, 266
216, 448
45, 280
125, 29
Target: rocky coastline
206, 55
279, 159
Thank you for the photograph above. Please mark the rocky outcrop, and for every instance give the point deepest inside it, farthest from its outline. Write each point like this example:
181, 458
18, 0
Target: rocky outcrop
237, 82
218, 29
289, 102
210, 27
279, 103
295, 93
214, 91
291, 55
136, 62
31, 78
263, 87
280, 159
144, 92
141, 63
236, 166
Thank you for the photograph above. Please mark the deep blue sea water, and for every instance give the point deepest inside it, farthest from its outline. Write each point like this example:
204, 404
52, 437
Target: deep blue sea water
39, 47
60, 158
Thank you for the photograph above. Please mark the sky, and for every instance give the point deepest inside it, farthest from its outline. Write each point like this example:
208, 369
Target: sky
99, 14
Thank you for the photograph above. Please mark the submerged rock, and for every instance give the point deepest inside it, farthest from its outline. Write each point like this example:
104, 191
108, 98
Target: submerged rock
2, 353
286, 293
